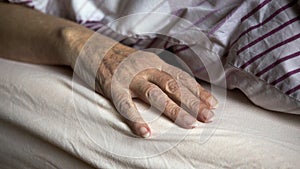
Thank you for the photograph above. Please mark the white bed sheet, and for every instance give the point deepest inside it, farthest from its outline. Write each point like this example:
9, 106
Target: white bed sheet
46, 121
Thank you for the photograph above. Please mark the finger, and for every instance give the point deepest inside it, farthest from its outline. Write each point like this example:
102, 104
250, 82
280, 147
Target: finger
181, 95
125, 106
166, 82
194, 105
205, 95
153, 95
195, 87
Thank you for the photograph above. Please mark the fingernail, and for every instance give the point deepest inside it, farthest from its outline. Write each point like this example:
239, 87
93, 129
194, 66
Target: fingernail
213, 102
208, 115
190, 121
195, 124
144, 132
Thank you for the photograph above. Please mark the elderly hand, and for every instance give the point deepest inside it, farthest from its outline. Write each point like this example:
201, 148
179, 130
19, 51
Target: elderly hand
123, 73
126, 73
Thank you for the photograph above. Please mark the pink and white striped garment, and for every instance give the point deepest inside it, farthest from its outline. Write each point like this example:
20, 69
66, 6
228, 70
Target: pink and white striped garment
258, 41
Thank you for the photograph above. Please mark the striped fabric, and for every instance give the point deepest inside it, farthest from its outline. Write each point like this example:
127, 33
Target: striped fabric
257, 40
269, 48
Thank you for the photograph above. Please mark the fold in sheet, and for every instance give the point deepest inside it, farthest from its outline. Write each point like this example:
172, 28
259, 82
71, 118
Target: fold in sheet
51, 119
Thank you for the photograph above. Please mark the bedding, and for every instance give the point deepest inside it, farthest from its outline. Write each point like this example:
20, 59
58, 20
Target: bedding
50, 119
256, 41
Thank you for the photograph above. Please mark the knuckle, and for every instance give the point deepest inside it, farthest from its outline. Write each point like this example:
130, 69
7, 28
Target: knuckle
172, 111
134, 119
124, 104
172, 86
157, 98
152, 91
194, 103
194, 106
205, 94
184, 75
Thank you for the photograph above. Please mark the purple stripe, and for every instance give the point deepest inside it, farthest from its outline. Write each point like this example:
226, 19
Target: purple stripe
181, 49
206, 17
134, 43
268, 34
91, 21
269, 50
277, 63
88, 21
255, 10
130, 39
180, 11
108, 32
212, 13
266, 20
79, 21
285, 76
293, 90
166, 44
96, 27
218, 26
23, 2
151, 43
90, 24
102, 31
123, 41
137, 42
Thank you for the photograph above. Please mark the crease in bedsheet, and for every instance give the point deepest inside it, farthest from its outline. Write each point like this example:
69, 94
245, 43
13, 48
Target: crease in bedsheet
62, 129
45, 161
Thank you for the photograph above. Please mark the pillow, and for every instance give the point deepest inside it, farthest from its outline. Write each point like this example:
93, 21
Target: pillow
263, 54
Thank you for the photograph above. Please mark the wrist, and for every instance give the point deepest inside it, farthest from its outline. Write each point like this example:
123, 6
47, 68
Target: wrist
92, 55
73, 40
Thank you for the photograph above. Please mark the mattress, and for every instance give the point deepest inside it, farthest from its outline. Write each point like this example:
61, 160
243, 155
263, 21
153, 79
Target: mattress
51, 119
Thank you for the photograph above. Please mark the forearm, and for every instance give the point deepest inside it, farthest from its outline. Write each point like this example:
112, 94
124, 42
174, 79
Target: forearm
30, 36
114, 70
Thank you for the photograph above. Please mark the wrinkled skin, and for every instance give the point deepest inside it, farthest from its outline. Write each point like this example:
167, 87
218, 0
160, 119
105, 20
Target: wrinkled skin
121, 73
126, 73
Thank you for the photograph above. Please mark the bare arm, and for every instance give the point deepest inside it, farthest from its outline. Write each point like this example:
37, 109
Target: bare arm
31, 36
120, 72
